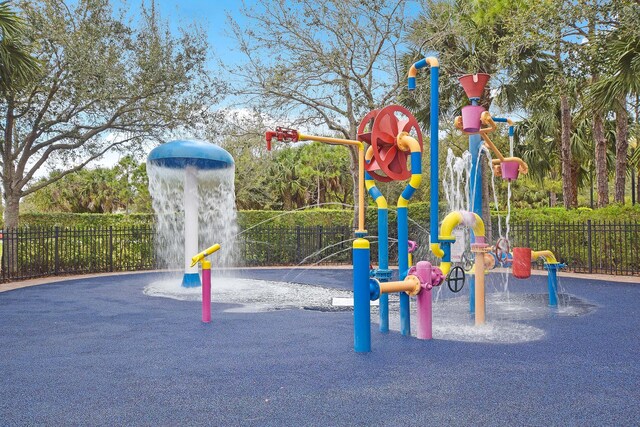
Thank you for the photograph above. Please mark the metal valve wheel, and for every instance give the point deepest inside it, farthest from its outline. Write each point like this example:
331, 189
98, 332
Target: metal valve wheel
455, 279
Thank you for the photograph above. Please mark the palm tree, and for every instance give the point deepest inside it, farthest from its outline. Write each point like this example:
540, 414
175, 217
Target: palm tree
612, 91
17, 66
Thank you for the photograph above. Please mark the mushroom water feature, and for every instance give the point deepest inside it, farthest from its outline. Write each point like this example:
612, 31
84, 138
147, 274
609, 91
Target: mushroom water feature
192, 190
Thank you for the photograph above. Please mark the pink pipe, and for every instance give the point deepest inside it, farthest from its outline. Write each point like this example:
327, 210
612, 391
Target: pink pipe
429, 277
206, 295
425, 315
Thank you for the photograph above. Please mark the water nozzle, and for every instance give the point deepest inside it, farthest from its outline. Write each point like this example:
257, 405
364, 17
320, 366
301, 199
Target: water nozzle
282, 135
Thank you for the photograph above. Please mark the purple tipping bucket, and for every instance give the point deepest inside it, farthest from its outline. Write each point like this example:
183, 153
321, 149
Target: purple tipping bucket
509, 170
471, 118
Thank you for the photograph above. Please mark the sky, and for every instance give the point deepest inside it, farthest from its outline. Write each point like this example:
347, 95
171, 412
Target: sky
212, 16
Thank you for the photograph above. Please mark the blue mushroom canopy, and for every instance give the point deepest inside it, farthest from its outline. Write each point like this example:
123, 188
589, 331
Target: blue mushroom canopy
180, 154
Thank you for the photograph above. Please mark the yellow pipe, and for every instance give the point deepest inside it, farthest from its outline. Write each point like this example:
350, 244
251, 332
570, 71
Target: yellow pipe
361, 184
410, 285
444, 265
431, 62
451, 221
455, 218
330, 140
547, 255
409, 143
381, 202
195, 259
479, 288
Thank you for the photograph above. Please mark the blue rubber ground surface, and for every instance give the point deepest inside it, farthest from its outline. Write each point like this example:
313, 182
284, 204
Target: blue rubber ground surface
99, 352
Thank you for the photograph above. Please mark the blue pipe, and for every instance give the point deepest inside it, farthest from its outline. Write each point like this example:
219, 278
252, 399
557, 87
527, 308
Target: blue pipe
383, 251
361, 297
552, 281
475, 143
434, 108
504, 120
403, 266
433, 203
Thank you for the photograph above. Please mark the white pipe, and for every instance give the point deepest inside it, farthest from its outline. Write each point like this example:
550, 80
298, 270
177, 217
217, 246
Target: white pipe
190, 218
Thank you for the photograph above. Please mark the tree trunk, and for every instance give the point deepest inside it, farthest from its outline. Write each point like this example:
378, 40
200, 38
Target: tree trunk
622, 145
11, 215
11, 210
553, 199
568, 189
575, 170
602, 175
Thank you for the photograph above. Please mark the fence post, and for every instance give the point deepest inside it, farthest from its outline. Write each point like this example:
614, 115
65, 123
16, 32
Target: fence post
590, 249
298, 255
4, 265
111, 248
56, 251
526, 231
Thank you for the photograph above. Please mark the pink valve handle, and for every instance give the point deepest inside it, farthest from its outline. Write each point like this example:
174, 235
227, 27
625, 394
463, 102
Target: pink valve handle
412, 246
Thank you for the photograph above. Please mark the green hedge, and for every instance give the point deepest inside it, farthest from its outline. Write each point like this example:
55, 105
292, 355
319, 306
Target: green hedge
82, 220
418, 212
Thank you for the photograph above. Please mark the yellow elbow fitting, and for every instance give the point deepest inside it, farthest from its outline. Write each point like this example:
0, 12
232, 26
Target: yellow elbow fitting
547, 255
206, 252
437, 250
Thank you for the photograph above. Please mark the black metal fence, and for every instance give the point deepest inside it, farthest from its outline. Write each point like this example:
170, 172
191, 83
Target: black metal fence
262, 246
37, 252
587, 247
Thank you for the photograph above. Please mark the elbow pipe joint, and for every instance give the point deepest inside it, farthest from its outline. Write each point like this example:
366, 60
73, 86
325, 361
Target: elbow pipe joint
202, 255
451, 221
431, 61
548, 256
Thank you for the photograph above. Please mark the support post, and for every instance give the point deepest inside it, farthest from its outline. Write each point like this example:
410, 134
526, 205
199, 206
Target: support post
383, 264
589, 247
206, 291
361, 296
56, 253
403, 267
475, 193
552, 281
191, 277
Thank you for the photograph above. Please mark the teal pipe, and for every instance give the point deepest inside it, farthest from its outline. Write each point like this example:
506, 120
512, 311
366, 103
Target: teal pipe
383, 264
403, 266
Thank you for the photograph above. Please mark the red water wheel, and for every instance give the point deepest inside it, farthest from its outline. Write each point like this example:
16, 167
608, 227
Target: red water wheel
389, 162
